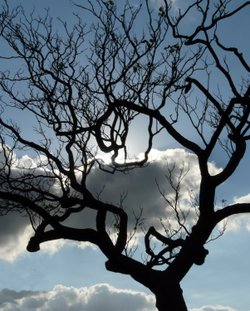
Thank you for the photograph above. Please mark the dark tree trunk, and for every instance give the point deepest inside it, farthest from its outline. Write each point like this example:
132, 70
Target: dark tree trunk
170, 299
165, 287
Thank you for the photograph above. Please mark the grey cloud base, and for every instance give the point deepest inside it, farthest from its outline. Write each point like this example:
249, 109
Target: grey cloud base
98, 297
94, 298
139, 185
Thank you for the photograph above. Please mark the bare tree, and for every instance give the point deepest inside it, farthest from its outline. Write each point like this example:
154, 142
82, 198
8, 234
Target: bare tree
85, 87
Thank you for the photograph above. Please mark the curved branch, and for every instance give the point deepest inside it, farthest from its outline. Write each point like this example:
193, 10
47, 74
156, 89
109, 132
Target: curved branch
82, 235
235, 51
102, 209
157, 259
233, 163
164, 123
238, 208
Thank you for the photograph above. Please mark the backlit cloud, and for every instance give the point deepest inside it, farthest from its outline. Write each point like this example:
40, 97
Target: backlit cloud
145, 187
140, 188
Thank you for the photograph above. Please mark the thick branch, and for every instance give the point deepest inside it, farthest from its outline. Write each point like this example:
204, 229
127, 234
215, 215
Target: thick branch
238, 208
232, 164
171, 244
81, 235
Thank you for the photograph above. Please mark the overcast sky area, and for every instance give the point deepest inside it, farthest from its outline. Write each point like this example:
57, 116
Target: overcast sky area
70, 276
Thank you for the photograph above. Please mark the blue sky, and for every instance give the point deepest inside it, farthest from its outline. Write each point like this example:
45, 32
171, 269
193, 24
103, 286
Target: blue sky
66, 269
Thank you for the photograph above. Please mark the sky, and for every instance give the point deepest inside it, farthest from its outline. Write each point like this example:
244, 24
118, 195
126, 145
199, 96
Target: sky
70, 276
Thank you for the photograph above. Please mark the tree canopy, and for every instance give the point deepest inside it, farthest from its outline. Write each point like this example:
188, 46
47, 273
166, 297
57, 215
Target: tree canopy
85, 87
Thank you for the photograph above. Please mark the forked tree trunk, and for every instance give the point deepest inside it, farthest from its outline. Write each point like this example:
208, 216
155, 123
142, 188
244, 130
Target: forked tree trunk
170, 299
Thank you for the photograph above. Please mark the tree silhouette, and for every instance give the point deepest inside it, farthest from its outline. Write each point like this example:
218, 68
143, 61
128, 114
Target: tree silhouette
86, 86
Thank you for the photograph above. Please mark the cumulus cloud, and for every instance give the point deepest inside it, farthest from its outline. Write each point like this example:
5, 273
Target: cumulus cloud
242, 199
141, 187
15, 232
94, 298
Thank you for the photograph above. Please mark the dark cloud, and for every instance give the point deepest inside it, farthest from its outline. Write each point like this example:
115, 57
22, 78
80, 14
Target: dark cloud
15, 232
141, 185
11, 296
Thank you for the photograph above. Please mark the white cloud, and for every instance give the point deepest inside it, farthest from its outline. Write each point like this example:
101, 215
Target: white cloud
25, 162
239, 221
94, 298
52, 247
242, 199
98, 297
